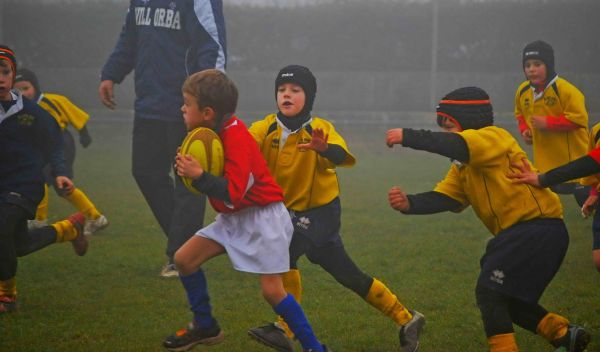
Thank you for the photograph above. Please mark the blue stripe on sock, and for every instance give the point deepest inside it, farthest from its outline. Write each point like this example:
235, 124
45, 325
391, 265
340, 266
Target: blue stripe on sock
196, 289
294, 316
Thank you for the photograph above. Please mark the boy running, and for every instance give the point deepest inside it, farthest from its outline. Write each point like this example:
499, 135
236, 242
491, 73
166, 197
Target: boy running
302, 152
29, 139
530, 238
65, 113
253, 226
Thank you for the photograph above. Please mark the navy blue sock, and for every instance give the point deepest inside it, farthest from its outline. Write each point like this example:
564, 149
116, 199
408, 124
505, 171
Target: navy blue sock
293, 315
196, 288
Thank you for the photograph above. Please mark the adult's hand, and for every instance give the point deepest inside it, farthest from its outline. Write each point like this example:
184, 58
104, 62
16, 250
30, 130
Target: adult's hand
106, 92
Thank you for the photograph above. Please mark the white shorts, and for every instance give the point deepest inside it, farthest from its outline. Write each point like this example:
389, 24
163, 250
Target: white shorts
256, 239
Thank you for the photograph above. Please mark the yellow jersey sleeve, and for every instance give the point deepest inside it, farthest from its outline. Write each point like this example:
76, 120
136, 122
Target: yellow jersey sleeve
452, 186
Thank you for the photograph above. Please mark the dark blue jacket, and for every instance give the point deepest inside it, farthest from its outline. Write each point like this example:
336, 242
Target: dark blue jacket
29, 139
165, 41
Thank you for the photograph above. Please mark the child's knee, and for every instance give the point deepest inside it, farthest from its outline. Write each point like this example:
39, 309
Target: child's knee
181, 262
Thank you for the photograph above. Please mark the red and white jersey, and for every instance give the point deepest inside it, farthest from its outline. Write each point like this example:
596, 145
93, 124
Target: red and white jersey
249, 181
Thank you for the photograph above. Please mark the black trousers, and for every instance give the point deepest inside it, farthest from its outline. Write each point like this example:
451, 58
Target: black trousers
334, 259
16, 240
154, 146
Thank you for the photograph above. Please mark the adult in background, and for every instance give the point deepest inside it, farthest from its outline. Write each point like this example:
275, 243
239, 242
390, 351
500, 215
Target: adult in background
164, 41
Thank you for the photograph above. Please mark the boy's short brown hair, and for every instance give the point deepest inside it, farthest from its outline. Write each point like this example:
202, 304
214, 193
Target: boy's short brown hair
212, 88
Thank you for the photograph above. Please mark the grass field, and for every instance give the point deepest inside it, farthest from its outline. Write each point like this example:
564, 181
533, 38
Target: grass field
113, 300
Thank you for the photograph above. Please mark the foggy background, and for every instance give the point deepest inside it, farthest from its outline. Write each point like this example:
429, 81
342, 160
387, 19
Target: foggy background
375, 61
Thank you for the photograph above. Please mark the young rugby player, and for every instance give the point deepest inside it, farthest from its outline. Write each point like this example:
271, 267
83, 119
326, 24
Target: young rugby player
588, 165
253, 226
552, 116
530, 237
66, 113
296, 144
29, 139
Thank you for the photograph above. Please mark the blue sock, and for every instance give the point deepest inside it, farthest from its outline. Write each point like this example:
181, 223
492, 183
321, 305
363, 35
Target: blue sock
197, 292
293, 315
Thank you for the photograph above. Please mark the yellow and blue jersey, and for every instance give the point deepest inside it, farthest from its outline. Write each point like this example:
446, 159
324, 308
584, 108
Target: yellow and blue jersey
308, 179
483, 182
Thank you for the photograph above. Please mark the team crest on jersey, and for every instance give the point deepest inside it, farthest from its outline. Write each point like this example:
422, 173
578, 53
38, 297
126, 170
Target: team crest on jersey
303, 140
526, 103
550, 101
275, 143
25, 119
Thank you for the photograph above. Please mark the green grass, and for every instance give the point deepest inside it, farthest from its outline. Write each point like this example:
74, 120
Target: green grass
113, 300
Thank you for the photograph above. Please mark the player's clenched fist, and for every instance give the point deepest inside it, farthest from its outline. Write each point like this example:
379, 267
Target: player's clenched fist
398, 199
394, 136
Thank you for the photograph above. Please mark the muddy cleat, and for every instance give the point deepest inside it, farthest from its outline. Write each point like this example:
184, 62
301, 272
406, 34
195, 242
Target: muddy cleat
576, 340
169, 270
80, 243
95, 225
272, 336
409, 333
8, 304
186, 339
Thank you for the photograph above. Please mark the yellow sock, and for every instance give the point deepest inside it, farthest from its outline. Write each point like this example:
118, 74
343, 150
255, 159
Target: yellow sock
380, 297
83, 204
8, 287
503, 343
41, 213
553, 327
65, 231
293, 285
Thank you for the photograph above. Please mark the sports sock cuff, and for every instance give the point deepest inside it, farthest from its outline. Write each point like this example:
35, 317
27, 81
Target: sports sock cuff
83, 204
503, 343
553, 327
294, 316
65, 231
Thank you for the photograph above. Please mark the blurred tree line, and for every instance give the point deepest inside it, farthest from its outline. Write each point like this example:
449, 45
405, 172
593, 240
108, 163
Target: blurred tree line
343, 35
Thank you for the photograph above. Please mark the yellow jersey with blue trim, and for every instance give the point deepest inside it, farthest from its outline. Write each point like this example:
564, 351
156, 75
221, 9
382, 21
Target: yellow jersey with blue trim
308, 179
482, 182
63, 110
560, 98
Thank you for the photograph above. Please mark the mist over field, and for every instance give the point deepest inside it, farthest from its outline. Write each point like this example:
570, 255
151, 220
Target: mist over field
374, 60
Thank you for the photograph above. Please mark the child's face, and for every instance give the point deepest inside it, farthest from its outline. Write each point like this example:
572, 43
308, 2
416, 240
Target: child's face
194, 116
26, 89
290, 99
448, 125
535, 71
6, 80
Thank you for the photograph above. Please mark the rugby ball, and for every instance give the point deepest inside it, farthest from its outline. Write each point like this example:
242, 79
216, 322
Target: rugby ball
204, 145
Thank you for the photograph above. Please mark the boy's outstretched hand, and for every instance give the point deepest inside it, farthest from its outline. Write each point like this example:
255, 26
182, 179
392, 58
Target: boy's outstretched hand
187, 166
318, 142
394, 136
398, 199
525, 174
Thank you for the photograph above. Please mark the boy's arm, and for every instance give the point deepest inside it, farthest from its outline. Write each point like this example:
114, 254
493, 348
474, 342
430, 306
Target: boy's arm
213, 186
335, 153
431, 202
205, 26
584, 166
447, 144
